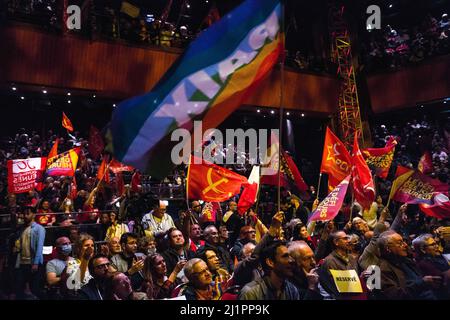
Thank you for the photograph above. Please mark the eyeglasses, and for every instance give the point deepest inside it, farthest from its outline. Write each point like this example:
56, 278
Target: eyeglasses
434, 244
104, 265
201, 273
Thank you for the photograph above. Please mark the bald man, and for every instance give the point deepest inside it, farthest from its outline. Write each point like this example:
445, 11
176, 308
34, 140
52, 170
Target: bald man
305, 277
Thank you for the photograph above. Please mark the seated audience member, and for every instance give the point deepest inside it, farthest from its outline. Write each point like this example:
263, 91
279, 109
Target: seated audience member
157, 284
121, 289
200, 285
176, 251
278, 267
55, 267
400, 278
97, 288
129, 261
305, 277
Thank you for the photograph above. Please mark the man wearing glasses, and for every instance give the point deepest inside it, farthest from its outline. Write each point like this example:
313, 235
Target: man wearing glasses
157, 221
400, 277
96, 288
431, 261
338, 259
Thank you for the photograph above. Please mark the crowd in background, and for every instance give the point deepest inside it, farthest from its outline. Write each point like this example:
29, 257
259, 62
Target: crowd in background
144, 244
395, 48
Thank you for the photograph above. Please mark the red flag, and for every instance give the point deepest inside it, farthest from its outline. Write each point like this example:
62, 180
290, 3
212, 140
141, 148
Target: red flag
439, 209
336, 160
330, 206
381, 158
419, 188
250, 192
401, 170
363, 186
119, 183
25, 174
290, 175
116, 166
103, 171
54, 151
73, 188
209, 182
213, 16
66, 123
135, 181
96, 144
426, 163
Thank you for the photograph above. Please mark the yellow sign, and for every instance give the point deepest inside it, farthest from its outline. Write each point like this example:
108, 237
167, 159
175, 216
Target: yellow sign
346, 281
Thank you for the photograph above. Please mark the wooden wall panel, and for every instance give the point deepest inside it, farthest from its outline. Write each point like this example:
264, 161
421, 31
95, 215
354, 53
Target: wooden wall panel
119, 70
408, 87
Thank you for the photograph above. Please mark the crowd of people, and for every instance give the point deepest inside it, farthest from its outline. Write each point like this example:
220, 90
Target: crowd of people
139, 245
392, 49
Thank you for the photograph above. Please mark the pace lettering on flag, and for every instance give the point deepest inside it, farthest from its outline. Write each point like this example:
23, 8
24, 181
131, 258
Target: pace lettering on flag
25, 174
330, 206
212, 78
209, 182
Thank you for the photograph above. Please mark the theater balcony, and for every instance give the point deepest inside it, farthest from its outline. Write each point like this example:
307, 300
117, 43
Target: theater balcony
117, 70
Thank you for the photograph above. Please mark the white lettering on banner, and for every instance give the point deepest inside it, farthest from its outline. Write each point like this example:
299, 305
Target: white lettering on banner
25, 165
203, 81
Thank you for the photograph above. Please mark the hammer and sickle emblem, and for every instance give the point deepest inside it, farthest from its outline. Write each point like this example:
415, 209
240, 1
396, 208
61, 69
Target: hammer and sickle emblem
212, 185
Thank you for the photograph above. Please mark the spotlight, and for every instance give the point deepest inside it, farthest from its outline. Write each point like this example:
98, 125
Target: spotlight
114, 105
272, 112
44, 91
68, 101
390, 6
68, 93
303, 114
22, 98
258, 111
93, 96
287, 113
14, 88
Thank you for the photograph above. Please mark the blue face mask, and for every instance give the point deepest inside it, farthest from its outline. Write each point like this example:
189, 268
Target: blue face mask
66, 249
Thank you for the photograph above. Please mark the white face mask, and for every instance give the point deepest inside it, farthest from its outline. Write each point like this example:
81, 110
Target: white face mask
20, 221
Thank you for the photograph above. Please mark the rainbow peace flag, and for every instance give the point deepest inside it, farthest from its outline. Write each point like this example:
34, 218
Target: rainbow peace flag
208, 82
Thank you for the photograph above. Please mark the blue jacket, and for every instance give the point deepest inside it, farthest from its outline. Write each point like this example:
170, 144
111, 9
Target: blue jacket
37, 244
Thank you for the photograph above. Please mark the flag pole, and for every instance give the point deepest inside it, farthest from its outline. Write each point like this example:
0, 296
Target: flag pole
281, 106
318, 186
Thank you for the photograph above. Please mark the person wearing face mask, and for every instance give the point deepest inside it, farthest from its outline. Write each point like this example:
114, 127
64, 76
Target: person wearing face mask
55, 267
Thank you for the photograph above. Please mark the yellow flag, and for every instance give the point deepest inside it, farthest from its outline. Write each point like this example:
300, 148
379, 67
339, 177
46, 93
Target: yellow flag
129, 9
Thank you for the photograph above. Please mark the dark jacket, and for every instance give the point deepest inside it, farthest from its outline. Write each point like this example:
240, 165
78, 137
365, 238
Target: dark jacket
301, 283
237, 248
262, 289
401, 280
171, 258
335, 262
92, 291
